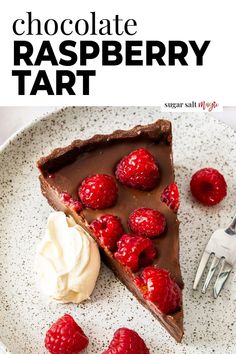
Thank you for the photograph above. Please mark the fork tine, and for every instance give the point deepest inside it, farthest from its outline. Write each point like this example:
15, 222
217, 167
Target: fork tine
201, 268
210, 274
221, 278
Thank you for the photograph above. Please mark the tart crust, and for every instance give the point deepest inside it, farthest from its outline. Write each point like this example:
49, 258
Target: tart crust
63, 161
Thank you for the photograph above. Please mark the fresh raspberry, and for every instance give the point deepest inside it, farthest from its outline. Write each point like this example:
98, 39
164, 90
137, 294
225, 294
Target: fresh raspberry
157, 286
147, 222
208, 186
138, 170
135, 251
107, 229
74, 204
98, 191
65, 337
126, 341
170, 196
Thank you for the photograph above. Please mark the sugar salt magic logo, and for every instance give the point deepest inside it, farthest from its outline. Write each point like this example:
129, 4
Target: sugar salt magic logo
78, 54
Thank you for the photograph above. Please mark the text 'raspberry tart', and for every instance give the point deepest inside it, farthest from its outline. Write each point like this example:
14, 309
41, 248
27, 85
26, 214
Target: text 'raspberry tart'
133, 168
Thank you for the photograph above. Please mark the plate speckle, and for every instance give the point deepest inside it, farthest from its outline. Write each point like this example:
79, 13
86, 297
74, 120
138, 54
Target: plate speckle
199, 141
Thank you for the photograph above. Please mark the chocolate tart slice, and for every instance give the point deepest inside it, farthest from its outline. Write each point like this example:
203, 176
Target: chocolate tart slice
65, 168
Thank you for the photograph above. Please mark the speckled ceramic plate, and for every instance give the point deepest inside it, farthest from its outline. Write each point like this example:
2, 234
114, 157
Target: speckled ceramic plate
199, 141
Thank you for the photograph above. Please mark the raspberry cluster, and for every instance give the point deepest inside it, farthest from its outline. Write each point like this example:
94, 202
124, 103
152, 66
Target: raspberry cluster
133, 250
136, 249
138, 170
65, 336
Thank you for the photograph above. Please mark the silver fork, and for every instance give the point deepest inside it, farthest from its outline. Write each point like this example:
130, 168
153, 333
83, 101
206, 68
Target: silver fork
222, 245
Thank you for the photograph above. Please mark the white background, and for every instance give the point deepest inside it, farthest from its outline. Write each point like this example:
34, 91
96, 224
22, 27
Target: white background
121, 85
157, 20
14, 118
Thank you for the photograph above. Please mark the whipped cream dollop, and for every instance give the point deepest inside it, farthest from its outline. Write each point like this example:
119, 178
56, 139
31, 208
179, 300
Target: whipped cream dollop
67, 261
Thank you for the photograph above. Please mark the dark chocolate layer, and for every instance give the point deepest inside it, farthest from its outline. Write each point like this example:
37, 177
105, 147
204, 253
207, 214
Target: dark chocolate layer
64, 170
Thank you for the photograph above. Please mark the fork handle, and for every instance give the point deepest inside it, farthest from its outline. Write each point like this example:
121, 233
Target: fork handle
231, 229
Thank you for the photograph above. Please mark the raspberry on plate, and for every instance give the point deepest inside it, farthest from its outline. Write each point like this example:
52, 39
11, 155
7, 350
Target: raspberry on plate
107, 229
170, 196
98, 191
157, 286
208, 186
147, 222
126, 341
71, 202
138, 170
65, 337
135, 251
